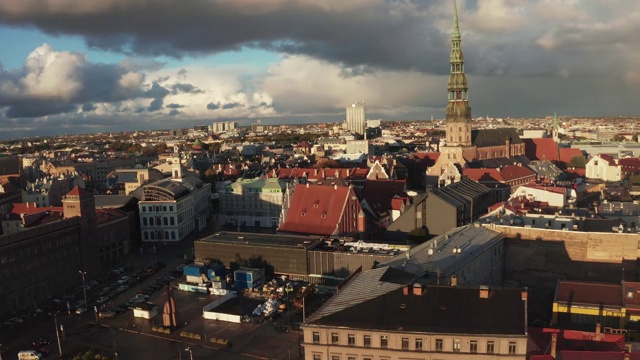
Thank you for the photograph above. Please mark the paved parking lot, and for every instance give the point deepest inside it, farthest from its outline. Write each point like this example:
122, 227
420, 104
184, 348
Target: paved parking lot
133, 339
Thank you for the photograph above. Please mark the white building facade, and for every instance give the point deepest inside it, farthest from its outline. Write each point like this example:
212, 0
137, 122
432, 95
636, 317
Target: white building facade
356, 118
174, 208
603, 167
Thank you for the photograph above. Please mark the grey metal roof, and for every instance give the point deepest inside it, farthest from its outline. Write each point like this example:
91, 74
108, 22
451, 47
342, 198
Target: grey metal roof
364, 286
494, 137
436, 255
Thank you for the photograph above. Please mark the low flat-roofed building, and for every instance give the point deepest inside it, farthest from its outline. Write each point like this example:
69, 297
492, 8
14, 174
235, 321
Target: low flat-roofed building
282, 254
473, 254
302, 257
383, 314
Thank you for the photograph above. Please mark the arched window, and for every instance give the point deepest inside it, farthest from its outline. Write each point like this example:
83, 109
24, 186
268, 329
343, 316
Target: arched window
459, 138
173, 235
166, 234
166, 222
144, 221
146, 235
151, 221
172, 220
153, 236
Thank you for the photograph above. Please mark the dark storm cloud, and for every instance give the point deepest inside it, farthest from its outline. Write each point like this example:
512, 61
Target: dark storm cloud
157, 92
213, 106
37, 109
184, 88
174, 106
231, 105
390, 34
88, 107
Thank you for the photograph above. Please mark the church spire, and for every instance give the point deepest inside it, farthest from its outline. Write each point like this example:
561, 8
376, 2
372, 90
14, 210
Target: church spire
458, 112
554, 132
455, 35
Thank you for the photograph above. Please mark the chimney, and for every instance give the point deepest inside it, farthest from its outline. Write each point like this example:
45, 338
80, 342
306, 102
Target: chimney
417, 289
454, 281
554, 342
484, 292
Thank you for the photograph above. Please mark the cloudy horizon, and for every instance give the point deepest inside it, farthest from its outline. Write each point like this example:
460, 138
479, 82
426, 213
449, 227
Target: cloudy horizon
122, 65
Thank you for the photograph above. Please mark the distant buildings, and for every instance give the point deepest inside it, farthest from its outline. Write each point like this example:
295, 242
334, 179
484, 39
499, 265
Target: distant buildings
356, 118
222, 126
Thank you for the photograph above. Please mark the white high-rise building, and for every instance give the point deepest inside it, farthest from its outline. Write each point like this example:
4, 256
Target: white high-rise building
356, 118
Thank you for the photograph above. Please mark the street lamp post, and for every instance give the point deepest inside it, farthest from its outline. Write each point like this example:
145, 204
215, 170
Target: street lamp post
84, 288
55, 319
190, 352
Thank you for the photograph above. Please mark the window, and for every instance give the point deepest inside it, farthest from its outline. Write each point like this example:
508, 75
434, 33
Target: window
419, 344
351, 340
166, 221
334, 338
456, 345
384, 341
316, 338
490, 347
512, 348
367, 340
405, 343
172, 221
144, 221
473, 346
335, 357
317, 356
439, 345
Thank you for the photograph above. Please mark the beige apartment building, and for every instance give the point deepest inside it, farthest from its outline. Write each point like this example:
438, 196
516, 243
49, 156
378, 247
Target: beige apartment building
382, 314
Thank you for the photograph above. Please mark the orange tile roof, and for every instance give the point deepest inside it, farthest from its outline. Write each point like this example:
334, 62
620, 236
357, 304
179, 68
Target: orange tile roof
316, 209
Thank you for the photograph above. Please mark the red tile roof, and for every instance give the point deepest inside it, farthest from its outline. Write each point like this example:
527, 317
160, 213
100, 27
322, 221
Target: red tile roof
608, 158
589, 293
505, 174
78, 191
316, 209
631, 165
106, 215
566, 154
541, 149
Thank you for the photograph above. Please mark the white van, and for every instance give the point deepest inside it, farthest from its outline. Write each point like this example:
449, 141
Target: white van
29, 355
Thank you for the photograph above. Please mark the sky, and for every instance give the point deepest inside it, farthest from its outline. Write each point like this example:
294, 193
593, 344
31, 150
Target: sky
72, 66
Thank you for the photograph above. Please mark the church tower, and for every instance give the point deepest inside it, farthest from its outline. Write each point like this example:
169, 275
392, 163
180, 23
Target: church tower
458, 113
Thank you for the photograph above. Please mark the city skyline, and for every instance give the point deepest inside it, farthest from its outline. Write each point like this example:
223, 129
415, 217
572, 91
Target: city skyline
128, 65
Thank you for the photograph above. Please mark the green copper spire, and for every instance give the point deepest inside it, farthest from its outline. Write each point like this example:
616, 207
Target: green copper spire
455, 35
458, 112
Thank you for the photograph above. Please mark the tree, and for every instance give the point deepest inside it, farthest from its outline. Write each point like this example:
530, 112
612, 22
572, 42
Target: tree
578, 161
90, 355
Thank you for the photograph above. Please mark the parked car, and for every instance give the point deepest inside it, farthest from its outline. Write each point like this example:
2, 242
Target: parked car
123, 280
101, 300
107, 314
81, 310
